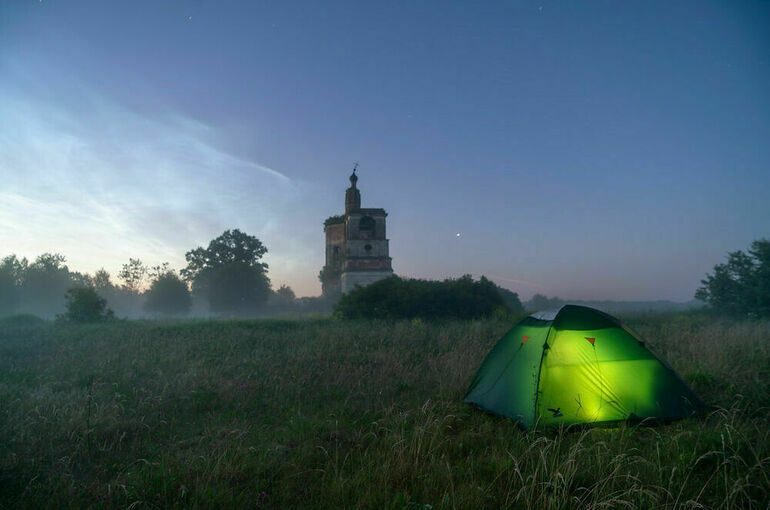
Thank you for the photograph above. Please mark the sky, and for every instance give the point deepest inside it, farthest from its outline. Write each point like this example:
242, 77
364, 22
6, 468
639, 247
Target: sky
589, 150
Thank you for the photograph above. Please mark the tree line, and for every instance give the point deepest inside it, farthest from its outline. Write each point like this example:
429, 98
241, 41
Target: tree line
225, 278
229, 278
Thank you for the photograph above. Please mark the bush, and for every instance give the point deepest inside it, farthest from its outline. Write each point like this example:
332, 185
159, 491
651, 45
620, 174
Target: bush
168, 295
402, 298
84, 304
21, 320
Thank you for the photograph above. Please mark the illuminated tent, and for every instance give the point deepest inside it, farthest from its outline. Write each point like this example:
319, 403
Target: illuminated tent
577, 365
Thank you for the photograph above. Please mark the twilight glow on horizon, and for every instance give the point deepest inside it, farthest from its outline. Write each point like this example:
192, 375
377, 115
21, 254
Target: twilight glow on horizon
592, 150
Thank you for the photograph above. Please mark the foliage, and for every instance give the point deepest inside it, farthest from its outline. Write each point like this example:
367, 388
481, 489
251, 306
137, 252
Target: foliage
133, 275
328, 274
741, 286
156, 272
12, 272
355, 414
83, 304
511, 299
101, 280
284, 294
229, 274
45, 282
334, 220
168, 293
10, 294
403, 298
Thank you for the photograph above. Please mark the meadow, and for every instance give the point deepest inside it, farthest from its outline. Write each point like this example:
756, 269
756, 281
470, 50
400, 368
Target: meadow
327, 413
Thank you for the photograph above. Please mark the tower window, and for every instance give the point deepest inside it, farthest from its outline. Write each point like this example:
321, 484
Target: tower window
368, 247
366, 227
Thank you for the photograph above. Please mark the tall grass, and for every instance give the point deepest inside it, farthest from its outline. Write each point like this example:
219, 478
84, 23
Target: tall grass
333, 414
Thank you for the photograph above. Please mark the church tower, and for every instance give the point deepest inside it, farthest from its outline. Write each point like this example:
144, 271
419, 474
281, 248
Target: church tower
356, 246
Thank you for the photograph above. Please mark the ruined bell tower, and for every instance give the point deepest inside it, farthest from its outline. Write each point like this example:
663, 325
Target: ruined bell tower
356, 246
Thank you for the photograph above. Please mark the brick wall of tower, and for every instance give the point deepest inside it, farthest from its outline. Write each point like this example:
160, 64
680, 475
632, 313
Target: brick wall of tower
358, 248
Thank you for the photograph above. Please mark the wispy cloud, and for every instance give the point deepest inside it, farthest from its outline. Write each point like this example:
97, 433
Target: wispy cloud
100, 183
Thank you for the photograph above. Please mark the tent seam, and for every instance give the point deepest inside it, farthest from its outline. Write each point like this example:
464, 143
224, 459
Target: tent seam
540, 368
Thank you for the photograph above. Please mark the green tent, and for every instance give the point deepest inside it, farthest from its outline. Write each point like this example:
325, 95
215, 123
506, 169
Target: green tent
577, 365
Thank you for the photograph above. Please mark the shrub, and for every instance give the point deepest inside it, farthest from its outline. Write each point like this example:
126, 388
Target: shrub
83, 304
402, 298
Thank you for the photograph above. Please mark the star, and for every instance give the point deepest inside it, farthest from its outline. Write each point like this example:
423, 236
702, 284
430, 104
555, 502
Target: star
458, 234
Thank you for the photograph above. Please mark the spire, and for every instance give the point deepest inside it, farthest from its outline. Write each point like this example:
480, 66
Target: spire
353, 176
352, 195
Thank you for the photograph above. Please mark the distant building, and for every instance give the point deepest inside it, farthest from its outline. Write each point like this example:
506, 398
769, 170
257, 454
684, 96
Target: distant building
356, 247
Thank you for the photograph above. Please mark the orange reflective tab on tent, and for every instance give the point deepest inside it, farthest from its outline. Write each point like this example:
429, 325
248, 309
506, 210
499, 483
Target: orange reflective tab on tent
524, 339
592, 340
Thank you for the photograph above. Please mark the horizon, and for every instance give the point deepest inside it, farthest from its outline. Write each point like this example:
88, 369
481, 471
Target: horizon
592, 152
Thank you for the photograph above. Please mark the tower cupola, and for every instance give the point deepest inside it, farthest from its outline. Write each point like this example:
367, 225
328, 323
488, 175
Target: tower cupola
352, 195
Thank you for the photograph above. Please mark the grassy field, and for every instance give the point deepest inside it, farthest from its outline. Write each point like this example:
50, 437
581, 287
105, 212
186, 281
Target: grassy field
332, 414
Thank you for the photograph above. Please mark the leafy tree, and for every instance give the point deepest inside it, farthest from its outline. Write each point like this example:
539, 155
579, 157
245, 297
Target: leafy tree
81, 279
126, 299
229, 274
83, 304
45, 282
101, 281
741, 286
133, 275
157, 271
168, 294
284, 294
12, 272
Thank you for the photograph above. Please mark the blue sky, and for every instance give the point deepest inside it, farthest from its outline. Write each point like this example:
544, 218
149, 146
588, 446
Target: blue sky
597, 150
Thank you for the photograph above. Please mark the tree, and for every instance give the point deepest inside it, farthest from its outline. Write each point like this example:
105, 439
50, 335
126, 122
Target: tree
83, 304
45, 282
12, 272
511, 300
101, 281
229, 274
283, 299
741, 286
168, 294
285, 294
156, 272
133, 274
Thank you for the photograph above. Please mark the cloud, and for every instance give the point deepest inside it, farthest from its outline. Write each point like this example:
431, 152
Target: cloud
100, 183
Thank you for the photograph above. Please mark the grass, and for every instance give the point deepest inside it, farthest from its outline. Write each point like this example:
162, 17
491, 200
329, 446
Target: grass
333, 414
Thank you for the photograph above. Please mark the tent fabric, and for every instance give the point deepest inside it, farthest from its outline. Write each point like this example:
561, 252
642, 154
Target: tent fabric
577, 365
